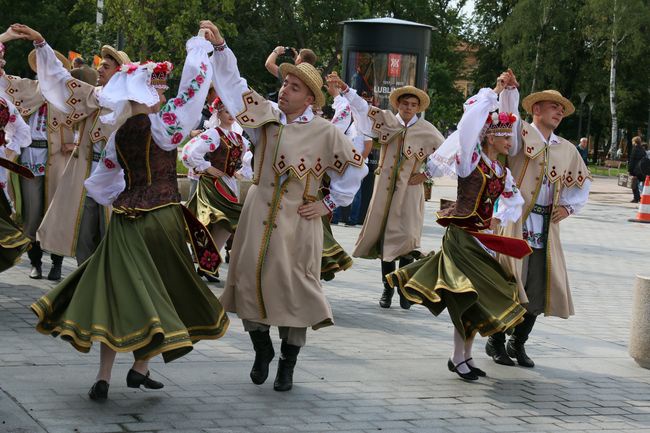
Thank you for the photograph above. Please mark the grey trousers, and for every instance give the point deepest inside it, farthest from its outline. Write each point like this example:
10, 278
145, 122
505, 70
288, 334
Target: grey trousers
193, 185
91, 230
293, 336
534, 268
33, 196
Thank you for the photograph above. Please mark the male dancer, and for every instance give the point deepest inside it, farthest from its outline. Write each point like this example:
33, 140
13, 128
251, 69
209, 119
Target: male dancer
554, 182
274, 272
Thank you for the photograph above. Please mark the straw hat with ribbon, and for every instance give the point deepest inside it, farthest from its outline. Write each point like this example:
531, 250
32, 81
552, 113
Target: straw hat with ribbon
409, 90
120, 56
548, 95
31, 59
309, 75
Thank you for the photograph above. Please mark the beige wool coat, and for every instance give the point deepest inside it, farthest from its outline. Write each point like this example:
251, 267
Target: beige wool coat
26, 96
59, 230
565, 168
274, 271
393, 224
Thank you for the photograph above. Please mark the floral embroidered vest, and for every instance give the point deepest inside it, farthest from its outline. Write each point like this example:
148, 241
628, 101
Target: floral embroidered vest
228, 156
477, 194
149, 171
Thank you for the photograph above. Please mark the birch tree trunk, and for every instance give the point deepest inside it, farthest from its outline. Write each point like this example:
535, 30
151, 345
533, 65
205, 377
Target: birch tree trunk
612, 94
544, 22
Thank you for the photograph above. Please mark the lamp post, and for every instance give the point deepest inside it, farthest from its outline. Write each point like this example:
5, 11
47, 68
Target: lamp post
591, 107
583, 96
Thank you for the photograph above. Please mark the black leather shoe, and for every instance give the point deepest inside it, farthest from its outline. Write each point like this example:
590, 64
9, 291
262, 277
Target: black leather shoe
264, 354
36, 273
211, 278
136, 380
227, 256
454, 369
497, 350
99, 391
477, 371
516, 350
403, 302
386, 297
284, 377
55, 272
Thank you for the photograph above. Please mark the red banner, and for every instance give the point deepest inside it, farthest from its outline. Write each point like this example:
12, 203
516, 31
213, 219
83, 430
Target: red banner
394, 65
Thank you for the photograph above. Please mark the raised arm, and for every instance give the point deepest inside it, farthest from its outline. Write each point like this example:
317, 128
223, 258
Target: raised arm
181, 114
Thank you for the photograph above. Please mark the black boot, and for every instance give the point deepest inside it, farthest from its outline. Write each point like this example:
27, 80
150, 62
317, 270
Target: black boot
264, 354
387, 295
35, 255
496, 348
515, 347
55, 271
284, 378
403, 302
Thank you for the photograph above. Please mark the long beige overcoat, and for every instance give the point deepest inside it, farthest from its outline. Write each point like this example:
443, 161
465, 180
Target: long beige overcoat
564, 167
393, 224
274, 271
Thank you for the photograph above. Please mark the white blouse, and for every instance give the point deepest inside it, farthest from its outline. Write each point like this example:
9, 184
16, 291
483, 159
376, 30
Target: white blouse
175, 120
17, 136
194, 151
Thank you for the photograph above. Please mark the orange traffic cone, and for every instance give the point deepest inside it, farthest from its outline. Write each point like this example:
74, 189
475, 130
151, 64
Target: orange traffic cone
643, 216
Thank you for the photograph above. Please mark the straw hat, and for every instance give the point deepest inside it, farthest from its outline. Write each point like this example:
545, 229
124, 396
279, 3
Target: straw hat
309, 75
120, 56
548, 95
409, 90
31, 59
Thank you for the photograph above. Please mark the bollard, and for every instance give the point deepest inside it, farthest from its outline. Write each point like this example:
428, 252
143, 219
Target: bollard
640, 332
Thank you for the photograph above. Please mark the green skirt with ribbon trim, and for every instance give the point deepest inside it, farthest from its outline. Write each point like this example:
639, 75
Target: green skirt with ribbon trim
334, 258
13, 242
139, 292
462, 277
215, 203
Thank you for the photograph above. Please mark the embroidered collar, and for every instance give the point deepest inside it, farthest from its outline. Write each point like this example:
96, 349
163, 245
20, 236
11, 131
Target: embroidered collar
411, 122
553, 139
305, 117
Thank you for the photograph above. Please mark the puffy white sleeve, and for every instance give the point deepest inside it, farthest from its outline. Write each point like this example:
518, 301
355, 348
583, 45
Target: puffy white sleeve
344, 186
180, 115
229, 84
194, 150
18, 133
575, 198
342, 114
52, 79
469, 130
106, 182
509, 101
246, 171
359, 108
510, 202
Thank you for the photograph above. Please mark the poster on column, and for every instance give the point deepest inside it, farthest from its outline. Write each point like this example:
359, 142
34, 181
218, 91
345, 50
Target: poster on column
375, 75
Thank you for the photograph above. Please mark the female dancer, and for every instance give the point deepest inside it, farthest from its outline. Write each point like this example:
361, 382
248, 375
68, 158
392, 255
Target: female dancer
464, 276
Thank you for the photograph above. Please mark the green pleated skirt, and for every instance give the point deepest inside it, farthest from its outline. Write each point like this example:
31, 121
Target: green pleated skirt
462, 277
334, 258
13, 242
139, 292
212, 207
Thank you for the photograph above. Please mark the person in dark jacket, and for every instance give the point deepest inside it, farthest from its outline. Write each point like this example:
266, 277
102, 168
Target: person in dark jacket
636, 155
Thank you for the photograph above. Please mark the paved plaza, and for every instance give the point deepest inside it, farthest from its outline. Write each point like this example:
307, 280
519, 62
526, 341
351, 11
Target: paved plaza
376, 370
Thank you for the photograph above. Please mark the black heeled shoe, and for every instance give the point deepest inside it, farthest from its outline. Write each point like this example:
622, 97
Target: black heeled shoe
454, 369
99, 391
210, 278
477, 371
136, 380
